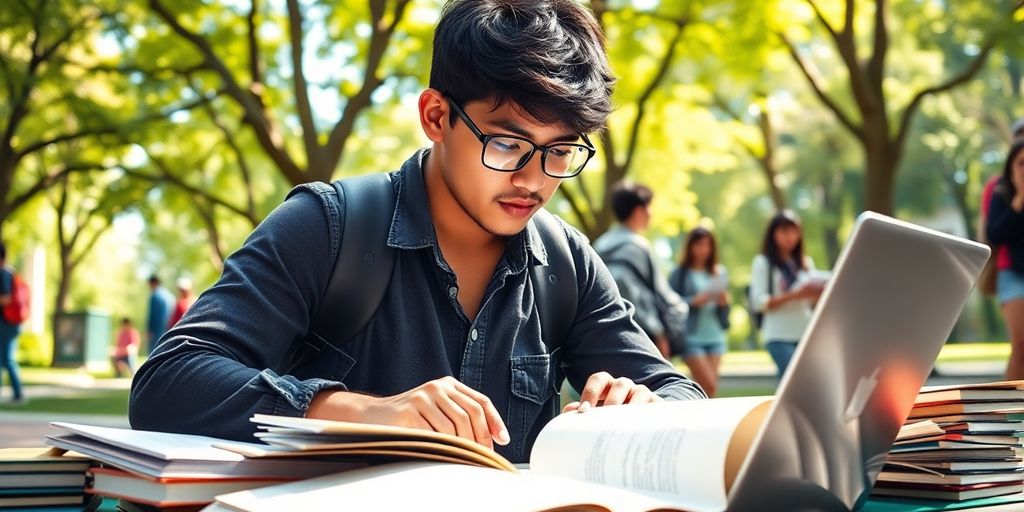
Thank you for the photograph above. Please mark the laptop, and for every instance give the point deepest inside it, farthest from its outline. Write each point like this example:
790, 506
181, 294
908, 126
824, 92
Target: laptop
894, 297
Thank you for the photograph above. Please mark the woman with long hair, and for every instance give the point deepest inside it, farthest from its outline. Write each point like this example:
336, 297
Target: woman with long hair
704, 284
1005, 229
781, 287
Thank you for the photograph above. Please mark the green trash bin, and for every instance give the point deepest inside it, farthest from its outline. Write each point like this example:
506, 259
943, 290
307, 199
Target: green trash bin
82, 339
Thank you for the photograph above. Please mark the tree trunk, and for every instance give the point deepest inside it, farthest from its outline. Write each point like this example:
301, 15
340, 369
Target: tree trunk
832, 204
880, 175
63, 290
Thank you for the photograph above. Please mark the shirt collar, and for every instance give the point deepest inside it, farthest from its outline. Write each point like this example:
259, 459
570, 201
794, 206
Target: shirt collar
413, 228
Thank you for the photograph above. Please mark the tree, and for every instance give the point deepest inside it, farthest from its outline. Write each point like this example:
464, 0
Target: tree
879, 125
633, 29
46, 102
256, 84
85, 206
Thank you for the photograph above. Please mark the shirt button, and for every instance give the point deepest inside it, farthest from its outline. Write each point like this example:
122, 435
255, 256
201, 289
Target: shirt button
453, 291
473, 335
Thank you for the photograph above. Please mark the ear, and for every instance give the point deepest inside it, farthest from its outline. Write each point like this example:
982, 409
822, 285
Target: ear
433, 114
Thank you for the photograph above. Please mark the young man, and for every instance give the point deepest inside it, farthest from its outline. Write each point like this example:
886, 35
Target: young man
455, 344
659, 310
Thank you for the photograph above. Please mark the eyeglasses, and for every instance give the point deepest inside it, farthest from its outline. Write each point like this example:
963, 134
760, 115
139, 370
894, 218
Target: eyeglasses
509, 153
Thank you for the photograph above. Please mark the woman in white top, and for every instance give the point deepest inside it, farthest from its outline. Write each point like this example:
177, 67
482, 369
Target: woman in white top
780, 287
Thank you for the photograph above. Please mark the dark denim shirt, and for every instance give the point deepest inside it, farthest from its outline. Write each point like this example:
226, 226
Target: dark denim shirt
212, 371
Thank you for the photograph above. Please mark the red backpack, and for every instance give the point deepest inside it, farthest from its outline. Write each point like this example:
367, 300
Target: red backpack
16, 311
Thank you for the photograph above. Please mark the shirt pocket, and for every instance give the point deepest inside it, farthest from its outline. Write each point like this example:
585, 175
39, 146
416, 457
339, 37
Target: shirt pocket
532, 389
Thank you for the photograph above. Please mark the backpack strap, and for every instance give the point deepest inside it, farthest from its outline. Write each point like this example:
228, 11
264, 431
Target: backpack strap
362, 269
555, 284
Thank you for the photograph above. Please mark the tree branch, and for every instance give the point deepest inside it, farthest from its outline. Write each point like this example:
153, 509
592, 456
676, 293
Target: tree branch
659, 76
5, 70
48, 180
169, 176
243, 162
968, 73
107, 130
824, 22
876, 65
818, 91
255, 115
254, 49
300, 88
380, 38
577, 210
91, 243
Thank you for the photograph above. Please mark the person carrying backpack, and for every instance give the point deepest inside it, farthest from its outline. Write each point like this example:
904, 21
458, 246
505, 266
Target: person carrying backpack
659, 311
447, 322
10, 325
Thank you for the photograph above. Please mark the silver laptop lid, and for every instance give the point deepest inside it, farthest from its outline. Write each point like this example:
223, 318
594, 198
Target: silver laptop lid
895, 294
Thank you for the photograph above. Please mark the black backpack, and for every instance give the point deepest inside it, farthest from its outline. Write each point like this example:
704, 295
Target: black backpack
362, 272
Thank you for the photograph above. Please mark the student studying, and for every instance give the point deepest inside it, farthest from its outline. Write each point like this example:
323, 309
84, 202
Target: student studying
441, 296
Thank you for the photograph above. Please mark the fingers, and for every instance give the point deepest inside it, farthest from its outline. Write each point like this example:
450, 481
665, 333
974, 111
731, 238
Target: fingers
473, 421
642, 395
602, 389
594, 390
618, 391
427, 406
495, 425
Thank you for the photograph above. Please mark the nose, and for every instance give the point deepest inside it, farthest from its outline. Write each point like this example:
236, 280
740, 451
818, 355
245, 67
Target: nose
531, 177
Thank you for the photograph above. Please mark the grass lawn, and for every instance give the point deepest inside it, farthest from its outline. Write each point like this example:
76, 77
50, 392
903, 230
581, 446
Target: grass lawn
94, 401
951, 353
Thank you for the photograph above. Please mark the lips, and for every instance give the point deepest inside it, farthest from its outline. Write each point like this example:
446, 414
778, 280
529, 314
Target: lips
518, 208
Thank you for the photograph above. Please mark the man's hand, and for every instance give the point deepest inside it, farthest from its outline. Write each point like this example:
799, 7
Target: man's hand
444, 405
602, 389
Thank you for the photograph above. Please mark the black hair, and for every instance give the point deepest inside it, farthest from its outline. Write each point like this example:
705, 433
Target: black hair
626, 196
784, 218
154, 279
696, 235
546, 57
1006, 188
3, 251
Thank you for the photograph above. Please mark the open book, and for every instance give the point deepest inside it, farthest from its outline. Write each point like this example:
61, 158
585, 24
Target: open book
663, 456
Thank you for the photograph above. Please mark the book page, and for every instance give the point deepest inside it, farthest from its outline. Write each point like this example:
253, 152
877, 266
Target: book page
162, 445
676, 448
450, 487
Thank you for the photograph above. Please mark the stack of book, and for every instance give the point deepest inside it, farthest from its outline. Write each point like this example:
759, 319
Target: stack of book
41, 477
158, 470
959, 443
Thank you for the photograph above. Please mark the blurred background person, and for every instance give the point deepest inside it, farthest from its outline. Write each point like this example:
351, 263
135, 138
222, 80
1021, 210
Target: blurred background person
1005, 231
781, 287
704, 285
159, 313
126, 349
658, 310
185, 300
8, 331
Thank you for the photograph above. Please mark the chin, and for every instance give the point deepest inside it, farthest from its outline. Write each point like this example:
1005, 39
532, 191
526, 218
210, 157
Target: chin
506, 229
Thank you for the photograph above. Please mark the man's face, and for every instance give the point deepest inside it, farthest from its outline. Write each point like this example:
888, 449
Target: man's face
501, 203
